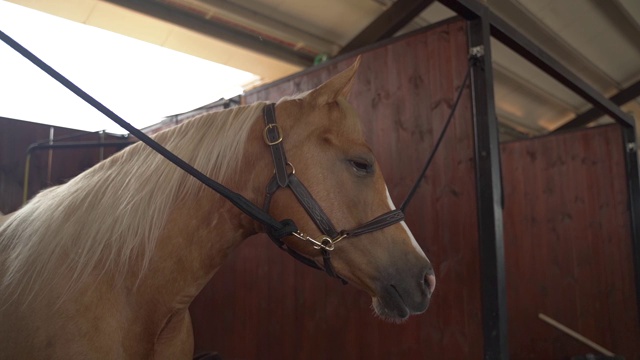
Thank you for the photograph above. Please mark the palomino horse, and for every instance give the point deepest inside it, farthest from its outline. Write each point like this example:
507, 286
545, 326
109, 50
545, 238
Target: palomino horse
106, 265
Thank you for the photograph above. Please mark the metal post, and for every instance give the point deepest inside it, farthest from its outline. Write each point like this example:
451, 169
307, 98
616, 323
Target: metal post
50, 161
101, 148
489, 193
633, 184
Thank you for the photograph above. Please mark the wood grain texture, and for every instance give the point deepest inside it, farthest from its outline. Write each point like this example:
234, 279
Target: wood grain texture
568, 244
262, 304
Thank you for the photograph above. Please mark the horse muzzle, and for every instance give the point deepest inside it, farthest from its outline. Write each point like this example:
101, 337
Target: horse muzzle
396, 301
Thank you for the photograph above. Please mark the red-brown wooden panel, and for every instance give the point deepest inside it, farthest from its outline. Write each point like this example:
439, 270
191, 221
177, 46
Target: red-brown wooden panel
263, 304
568, 244
15, 138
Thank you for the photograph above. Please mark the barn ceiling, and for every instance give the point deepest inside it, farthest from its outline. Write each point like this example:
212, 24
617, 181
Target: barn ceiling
598, 40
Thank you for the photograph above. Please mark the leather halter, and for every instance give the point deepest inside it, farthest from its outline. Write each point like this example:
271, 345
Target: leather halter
273, 137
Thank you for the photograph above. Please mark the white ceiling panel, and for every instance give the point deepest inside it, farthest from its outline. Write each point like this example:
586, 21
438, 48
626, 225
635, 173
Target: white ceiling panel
581, 25
536, 79
517, 102
337, 20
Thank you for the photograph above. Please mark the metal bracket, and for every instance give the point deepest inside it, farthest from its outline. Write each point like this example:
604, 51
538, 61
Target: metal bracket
476, 51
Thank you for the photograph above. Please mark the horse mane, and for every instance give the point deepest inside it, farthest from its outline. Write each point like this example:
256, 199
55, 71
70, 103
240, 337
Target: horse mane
114, 212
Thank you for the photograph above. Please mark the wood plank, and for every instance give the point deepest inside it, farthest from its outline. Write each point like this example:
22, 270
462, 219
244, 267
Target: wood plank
567, 244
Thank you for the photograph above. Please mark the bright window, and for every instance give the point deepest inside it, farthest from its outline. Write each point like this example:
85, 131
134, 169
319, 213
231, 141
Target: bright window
140, 82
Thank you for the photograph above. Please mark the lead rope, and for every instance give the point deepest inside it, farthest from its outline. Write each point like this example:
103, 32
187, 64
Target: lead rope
405, 203
284, 228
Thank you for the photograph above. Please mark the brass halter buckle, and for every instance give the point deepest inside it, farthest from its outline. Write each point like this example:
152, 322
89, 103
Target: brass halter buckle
266, 135
325, 242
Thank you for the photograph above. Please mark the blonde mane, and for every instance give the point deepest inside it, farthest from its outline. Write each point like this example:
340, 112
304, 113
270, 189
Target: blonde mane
115, 211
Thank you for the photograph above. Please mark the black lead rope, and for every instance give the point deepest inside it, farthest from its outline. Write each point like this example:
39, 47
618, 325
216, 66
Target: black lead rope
283, 228
415, 187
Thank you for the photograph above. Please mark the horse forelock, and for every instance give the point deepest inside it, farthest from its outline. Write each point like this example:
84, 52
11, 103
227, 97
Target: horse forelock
113, 213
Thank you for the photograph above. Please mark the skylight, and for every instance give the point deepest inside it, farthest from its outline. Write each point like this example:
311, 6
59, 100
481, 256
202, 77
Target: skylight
139, 81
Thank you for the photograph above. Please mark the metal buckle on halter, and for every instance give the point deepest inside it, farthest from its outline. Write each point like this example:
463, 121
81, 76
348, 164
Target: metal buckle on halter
266, 135
293, 169
325, 243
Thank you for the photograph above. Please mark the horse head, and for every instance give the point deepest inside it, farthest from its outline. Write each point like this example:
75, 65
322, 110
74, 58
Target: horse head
324, 143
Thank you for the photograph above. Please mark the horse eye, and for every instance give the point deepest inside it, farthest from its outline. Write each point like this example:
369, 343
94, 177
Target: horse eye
361, 166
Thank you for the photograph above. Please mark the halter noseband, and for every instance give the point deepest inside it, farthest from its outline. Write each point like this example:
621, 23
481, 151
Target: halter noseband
283, 178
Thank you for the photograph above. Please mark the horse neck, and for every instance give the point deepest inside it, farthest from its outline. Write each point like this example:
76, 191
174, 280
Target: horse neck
202, 229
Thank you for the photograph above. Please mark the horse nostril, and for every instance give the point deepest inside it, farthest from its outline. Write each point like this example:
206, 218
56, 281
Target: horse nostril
430, 282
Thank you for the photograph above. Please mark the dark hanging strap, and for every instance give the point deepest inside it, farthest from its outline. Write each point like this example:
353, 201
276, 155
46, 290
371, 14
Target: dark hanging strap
239, 201
415, 187
328, 265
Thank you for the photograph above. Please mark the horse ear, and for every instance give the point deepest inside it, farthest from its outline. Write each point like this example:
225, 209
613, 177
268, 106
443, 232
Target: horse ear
337, 86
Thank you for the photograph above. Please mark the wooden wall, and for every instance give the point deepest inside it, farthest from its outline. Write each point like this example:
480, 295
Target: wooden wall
568, 244
263, 304
15, 138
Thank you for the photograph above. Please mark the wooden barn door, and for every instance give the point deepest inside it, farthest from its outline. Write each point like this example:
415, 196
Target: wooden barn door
263, 304
568, 244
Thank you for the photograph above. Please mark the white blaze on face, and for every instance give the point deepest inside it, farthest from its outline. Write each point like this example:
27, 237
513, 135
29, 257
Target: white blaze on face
405, 227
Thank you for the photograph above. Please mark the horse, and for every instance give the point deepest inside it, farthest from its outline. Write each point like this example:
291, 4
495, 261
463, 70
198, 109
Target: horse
107, 264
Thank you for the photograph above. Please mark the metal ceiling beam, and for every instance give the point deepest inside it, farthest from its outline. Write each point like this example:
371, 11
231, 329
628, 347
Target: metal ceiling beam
508, 130
218, 30
515, 13
388, 23
529, 129
253, 18
583, 119
508, 133
516, 41
506, 76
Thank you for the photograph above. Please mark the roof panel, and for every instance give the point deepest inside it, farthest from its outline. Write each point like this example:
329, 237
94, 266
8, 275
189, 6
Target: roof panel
605, 52
337, 20
606, 41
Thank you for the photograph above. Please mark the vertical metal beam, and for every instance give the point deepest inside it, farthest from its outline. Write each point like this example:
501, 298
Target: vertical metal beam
633, 183
489, 193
